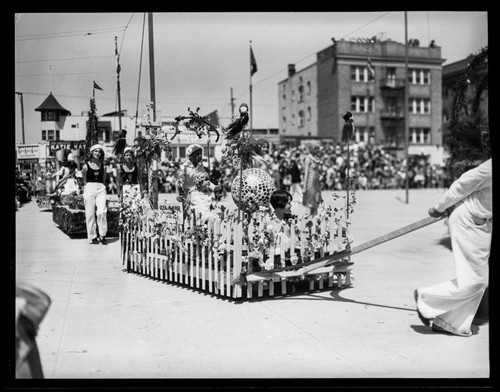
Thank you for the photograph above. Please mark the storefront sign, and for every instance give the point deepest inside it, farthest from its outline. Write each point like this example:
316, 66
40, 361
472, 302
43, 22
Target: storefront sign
28, 151
56, 145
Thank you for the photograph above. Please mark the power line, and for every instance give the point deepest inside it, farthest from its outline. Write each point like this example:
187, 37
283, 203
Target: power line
29, 37
64, 74
68, 59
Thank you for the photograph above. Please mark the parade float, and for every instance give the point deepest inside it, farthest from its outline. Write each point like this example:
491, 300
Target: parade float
238, 254
68, 209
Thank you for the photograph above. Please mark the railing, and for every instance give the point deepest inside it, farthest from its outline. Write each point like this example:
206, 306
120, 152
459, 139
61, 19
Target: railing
214, 257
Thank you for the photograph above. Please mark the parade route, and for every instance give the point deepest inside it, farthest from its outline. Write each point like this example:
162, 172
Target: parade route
105, 323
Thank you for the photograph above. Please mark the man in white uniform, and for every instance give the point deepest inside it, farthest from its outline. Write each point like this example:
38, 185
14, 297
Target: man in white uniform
452, 305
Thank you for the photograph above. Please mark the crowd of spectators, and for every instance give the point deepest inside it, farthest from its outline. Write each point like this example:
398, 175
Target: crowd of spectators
371, 167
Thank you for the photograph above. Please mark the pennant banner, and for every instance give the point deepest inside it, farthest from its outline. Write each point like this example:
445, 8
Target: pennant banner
97, 87
213, 118
253, 63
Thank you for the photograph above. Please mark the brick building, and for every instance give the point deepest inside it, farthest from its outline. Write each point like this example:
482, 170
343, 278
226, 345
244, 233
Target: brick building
367, 78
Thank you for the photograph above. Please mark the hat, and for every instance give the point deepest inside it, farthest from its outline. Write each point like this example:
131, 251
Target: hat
127, 149
193, 148
96, 147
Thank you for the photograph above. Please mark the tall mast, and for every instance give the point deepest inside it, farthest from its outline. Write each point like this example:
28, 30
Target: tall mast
407, 180
152, 64
118, 69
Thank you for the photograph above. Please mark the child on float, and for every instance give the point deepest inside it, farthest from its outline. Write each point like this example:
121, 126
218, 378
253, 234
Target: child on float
128, 177
279, 225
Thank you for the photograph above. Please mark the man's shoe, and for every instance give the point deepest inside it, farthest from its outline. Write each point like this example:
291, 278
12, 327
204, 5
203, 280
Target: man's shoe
425, 320
95, 241
104, 241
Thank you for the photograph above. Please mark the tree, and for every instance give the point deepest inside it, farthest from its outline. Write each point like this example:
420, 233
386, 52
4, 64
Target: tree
469, 141
92, 137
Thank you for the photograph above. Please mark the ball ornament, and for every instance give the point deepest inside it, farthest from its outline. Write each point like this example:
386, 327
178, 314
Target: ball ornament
256, 189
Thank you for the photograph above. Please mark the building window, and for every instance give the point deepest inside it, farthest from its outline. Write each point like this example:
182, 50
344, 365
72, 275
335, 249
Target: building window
44, 135
293, 120
419, 106
50, 115
420, 136
308, 88
301, 94
284, 121
50, 134
293, 95
58, 134
182, 152
390, 75
302, 120
362, 104
284, 101
419, 76
309, 114
359, 74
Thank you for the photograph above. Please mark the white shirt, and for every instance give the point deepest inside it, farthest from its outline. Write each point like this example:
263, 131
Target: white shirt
474, 187
188, 175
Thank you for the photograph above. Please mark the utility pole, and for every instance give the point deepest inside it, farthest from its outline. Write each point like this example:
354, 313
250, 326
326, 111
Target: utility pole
407, 180
20, 95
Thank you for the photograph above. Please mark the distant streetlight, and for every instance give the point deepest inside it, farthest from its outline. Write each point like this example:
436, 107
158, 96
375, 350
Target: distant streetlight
20, 95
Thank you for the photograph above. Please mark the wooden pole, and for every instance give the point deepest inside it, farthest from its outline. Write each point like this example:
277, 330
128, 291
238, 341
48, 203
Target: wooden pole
407, 180
152, 169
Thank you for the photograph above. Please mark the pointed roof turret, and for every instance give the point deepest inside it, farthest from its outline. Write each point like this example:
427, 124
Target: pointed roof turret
51, 103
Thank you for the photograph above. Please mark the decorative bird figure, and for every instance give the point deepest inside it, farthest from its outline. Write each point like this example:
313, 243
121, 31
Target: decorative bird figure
120, 143
238, 125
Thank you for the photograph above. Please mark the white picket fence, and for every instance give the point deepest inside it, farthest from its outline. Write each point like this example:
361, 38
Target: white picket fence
214, 260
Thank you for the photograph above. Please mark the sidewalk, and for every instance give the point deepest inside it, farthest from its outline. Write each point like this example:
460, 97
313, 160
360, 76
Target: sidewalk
106, 323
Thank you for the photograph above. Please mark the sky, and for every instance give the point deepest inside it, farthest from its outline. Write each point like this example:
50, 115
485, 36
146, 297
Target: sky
200, 59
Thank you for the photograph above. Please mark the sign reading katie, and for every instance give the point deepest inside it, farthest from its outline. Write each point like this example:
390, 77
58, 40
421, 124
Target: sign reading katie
56, 145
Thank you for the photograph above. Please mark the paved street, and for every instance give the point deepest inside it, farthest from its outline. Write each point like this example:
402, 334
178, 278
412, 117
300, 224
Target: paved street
106, 323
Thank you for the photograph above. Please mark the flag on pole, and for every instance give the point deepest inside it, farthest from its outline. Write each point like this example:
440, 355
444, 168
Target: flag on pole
371, 69
117, 58
97, 87
253, 63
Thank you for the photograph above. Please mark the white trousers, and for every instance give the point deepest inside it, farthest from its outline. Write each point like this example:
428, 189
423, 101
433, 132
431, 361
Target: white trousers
453, 304
94, 197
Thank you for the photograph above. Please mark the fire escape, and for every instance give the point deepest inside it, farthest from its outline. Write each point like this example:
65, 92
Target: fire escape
392, 115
